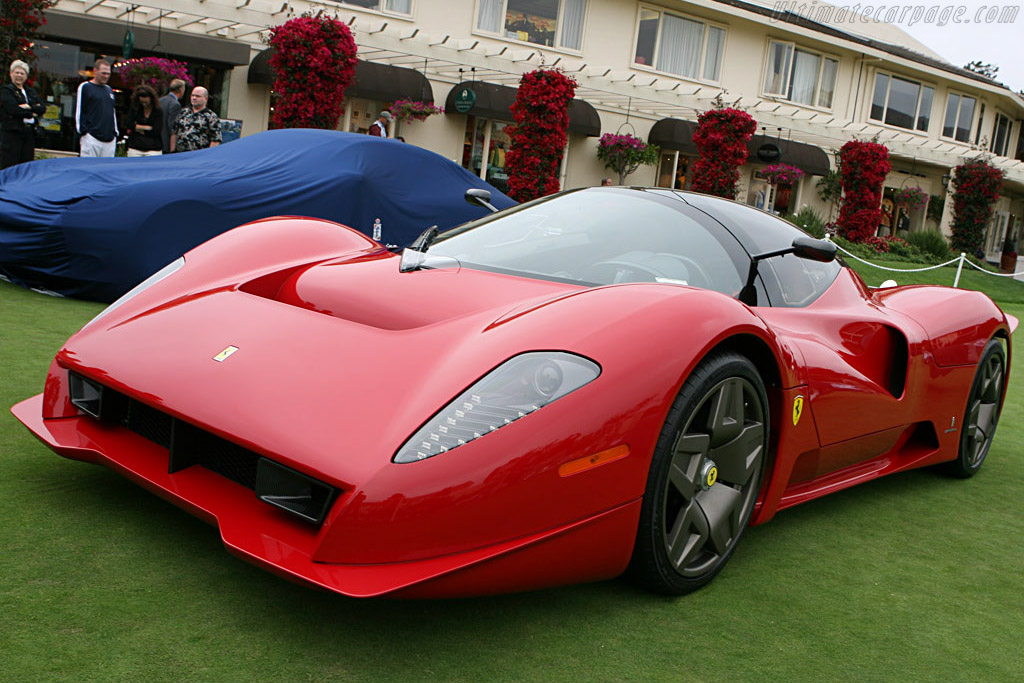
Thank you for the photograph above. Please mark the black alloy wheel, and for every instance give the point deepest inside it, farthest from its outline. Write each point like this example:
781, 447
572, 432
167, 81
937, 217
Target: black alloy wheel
705, 476
984, 404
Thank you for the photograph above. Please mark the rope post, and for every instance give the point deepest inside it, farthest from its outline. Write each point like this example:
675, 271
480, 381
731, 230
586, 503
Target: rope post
959, 268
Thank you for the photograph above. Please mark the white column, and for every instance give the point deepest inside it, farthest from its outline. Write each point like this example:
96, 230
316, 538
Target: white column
485, 152
563, 171
347, 122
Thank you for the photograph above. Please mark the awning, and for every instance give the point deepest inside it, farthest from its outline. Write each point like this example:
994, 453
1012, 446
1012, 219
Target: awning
677, 134
493, 102
373, 81
178, 44
810, 159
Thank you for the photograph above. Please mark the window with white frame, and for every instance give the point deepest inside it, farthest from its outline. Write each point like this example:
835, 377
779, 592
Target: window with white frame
1001, 135
552, 23
392, 6
679, 45
902, 102
800, 75
959, 117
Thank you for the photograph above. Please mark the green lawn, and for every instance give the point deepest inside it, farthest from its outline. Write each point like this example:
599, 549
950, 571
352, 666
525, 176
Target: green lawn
916, 577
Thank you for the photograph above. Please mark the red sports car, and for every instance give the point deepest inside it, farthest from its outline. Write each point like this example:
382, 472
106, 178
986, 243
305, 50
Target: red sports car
602, 381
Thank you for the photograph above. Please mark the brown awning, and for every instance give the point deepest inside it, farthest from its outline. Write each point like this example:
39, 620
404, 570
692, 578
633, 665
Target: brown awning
178, 44
810, 159
677, 134
493, 102
373, 81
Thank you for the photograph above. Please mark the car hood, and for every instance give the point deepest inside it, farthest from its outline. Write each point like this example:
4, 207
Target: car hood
335, 366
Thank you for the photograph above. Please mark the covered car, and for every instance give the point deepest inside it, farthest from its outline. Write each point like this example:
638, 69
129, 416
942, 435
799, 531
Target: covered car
94, 228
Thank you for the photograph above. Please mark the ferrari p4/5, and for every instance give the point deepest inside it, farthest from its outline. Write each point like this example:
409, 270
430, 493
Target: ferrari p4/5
599, 382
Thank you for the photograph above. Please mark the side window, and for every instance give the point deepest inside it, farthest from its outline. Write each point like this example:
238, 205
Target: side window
801, 281
790, 281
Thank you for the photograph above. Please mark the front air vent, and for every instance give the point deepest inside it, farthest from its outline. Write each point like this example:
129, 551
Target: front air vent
188, 445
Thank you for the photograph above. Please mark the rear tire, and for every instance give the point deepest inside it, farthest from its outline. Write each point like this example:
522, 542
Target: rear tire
984, 404
704, 478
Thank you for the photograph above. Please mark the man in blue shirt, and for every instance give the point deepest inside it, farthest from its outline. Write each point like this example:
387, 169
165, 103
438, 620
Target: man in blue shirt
94, 114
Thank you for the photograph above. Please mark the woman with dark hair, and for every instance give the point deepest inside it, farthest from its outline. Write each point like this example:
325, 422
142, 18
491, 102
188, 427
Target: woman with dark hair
145, 123
20, 108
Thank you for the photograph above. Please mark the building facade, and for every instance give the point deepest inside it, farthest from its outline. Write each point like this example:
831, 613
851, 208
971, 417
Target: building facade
647, 68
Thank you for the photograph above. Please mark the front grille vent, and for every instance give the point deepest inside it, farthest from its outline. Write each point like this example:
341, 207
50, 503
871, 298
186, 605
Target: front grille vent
188, 445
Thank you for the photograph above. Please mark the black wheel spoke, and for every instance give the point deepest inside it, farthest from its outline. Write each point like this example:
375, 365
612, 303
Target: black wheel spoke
686, 461
992, 384
740, 459
686, 539
725, 420
721, 505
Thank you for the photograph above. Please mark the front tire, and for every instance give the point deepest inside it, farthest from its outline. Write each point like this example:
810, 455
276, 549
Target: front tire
984, 404
704, 478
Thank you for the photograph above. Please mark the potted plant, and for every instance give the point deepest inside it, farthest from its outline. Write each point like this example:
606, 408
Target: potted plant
624, 154
782, 174
910, 198
403, 110
1008, 259
156, 72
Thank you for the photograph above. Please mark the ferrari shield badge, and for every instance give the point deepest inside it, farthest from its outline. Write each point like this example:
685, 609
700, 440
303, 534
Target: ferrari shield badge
798, 409
225, 354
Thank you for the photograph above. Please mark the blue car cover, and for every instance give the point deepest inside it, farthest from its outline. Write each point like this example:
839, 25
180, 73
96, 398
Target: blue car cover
94, 228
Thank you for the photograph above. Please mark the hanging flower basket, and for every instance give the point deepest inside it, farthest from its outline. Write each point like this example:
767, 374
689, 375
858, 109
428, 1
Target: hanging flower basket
155, 72
782, 174
403, 110
624, 154
910, 198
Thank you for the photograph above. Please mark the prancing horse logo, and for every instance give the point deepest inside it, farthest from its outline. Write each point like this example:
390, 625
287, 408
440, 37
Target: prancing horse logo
225, 354
798, 409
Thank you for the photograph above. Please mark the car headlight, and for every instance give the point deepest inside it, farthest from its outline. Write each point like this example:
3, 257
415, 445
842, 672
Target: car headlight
156, 277
513, 390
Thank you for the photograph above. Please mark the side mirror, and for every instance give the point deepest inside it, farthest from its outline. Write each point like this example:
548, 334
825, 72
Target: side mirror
802, 247
480, 197
814, 250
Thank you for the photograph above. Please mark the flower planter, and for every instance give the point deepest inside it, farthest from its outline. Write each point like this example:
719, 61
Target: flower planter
1008, 262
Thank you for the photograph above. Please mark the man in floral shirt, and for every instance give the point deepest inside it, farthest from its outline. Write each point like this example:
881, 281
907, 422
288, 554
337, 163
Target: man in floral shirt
196, 127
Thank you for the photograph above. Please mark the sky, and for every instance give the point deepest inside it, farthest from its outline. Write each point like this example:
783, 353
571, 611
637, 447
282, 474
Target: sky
1001, 44
987, 30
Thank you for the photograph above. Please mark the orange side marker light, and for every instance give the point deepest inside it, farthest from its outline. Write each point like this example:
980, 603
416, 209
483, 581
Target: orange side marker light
591, 461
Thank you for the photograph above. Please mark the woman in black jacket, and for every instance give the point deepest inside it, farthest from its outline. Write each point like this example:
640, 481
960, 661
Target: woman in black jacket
20, 109
145, 123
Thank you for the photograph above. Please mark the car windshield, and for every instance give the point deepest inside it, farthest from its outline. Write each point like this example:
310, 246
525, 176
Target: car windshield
601, 237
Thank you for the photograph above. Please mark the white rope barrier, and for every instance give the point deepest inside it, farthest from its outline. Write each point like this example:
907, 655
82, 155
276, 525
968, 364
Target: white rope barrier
960, 261
896, 270
989, 272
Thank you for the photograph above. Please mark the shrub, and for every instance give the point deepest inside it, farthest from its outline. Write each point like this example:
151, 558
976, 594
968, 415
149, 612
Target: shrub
809, 221
931, 242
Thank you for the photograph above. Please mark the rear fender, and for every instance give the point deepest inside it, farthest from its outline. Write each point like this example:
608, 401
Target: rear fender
958, 322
